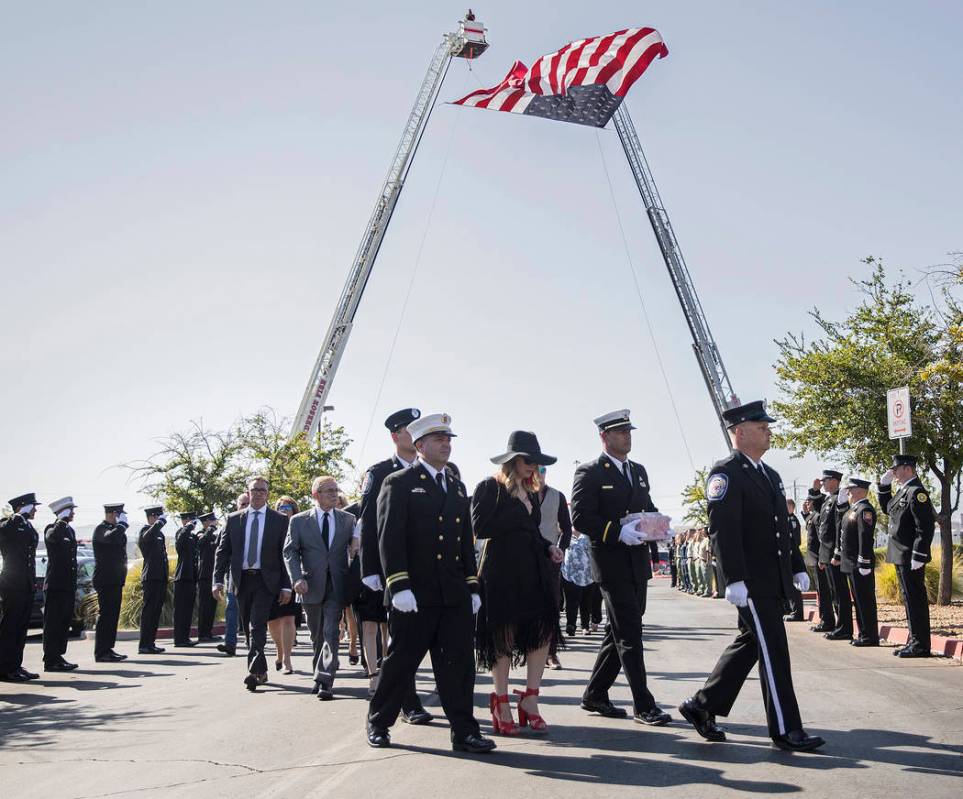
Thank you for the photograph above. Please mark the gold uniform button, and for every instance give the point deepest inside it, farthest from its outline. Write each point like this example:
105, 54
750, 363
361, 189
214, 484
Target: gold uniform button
439, 556
441, 518
458, 520
457, 557
458, 539
441, 538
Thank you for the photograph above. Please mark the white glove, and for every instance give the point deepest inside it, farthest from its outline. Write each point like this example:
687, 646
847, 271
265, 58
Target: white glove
404, 601
737, 594
373, 582
801, 581
843, 496
475, 604
163, 518
916, 564
629, 535
887, 478
122, 519
865, 572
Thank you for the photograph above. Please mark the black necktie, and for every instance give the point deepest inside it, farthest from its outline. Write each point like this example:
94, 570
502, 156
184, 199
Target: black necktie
441, 482
626, 473
762, 471
324, 530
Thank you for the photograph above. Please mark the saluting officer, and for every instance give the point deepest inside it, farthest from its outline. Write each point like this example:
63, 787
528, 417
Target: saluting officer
604, 491
206, 604
59, 585
824, 598
795, 602
153, 577
910, 535
110, 574
830, 516
750, 532
371, 602
18, 548
857, 536
424, 530
185, 579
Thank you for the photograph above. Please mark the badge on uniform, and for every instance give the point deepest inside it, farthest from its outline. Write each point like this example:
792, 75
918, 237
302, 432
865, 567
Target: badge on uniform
921, 496
418, 491
367, 483
716, 487
642, 483
867, 516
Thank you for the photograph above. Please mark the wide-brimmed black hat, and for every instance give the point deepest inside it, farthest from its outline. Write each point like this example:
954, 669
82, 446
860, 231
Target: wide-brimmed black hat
521, 442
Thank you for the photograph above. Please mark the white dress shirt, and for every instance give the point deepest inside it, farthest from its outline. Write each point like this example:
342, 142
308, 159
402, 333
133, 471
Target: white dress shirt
621, 464
434, 473
261, 517
320, 514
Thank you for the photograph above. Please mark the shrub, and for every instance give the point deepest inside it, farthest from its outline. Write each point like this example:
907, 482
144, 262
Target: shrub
133, 600
887, 583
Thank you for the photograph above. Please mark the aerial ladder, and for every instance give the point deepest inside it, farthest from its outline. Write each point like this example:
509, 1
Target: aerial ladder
469, 42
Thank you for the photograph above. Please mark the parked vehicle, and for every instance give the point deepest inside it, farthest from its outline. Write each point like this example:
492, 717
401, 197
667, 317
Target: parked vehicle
85, 604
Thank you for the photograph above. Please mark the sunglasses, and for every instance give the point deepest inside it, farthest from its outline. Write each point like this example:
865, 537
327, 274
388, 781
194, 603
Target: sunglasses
286, 507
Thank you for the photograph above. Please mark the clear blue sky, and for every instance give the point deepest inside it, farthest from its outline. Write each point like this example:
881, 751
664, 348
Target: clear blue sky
184, 188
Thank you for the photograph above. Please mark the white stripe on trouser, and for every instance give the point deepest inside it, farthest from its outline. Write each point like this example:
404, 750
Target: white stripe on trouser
768, 669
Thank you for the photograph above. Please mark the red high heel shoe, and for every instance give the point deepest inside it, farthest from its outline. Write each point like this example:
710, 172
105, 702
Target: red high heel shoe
501, 727
531, 720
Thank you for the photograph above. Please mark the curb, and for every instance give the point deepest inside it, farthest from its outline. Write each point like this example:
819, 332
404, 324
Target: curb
164, 632
939, 644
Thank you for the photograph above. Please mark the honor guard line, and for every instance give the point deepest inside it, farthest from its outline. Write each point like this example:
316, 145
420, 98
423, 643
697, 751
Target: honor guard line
469, 42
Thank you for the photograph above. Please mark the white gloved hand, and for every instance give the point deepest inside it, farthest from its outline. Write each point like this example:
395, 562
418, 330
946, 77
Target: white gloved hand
916, 564
475, 604
629, 535
122, 519
801, 581
372, 582
404, 601
865, 572
887, 478
842, 497
737, 594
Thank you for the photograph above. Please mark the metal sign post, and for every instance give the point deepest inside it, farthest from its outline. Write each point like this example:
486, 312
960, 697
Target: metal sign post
899, 415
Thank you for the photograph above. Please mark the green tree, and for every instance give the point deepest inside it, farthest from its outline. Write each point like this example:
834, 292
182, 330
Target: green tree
833, 389
694, 500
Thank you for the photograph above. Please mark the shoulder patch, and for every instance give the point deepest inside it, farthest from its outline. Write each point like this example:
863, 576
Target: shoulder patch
867, 516
921, 497
716, 487
366, 485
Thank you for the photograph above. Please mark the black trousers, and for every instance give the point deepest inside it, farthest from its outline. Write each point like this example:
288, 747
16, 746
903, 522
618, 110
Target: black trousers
254, 606
794, 604
672, 572
206, 608
15, 607
411, 702
762, 638
184, 593
644, 597
578, 605
842, 604
155, 594
917, 606
621, 648
58, 612
864, 596
448, 634
824, 598
105, 635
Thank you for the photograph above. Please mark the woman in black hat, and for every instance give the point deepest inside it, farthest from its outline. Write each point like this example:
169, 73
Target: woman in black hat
519, 612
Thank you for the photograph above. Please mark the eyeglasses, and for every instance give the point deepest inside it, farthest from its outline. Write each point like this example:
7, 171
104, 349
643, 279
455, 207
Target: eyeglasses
258, 490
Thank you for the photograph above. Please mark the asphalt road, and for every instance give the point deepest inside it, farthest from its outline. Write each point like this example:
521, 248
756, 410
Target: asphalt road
181, 724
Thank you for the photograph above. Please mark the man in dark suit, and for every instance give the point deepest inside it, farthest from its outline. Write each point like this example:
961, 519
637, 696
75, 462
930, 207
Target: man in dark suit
424, 529
110, 574
18, 548
59, 585
206, 604
830, 516
603, 493
153, 577
750, 533
251, 551
185, 579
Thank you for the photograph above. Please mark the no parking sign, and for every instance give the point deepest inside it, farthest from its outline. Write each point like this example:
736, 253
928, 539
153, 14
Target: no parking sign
898, 413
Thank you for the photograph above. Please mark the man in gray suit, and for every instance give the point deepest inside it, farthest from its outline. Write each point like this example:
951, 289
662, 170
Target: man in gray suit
316, 553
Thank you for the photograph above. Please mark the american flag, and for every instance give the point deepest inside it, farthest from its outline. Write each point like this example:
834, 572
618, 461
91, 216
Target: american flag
584, 82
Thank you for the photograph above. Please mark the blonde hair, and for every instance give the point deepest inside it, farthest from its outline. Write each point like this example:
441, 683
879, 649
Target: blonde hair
507, 477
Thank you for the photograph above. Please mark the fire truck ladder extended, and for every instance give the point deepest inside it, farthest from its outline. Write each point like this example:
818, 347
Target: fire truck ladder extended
707, 354
467, 42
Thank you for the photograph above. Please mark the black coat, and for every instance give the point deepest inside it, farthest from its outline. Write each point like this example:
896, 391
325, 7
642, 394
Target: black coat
61, 557
370, 488
110, 555
858, 534
911, 522
812, 528
601, 497
206, 548
749, 527
18, 548
425, 538
829, 519
230, 550
185, 544
517, 577
153, 548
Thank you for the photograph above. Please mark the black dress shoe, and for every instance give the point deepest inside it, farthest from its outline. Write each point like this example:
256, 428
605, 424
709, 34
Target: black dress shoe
59, 666
653, 717
704, 723
604, 708
69, 666
797, 741
378, 737
865, 642
227, 650
13, 676
821, 628
353, 660
325, 694
30, 675
838, 635
116, 656
417, 717
209, 639
913, 652
474, 743
250, 682
792, 617
185, 643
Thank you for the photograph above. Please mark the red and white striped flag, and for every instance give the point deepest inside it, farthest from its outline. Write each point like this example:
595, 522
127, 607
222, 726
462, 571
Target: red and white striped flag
584, 82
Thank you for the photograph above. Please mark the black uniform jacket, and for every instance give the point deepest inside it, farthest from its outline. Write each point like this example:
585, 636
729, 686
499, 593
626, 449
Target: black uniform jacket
18, 548
812, 528
601, 497
910, 522
206, 546
153, 548
795, 529
857, 537
110, 555
425, 538
829, 518
749, 527
185, 543
61, 557
230, 550
370, 488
